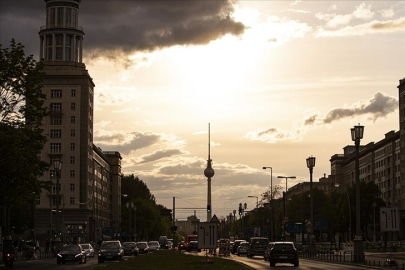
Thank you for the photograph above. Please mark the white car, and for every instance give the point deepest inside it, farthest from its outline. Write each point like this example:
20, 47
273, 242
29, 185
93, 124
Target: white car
153, 245
88, 248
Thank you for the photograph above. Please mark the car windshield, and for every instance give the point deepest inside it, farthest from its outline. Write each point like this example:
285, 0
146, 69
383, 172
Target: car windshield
244, 244
84, 246
70, 249
128, 244
109, 245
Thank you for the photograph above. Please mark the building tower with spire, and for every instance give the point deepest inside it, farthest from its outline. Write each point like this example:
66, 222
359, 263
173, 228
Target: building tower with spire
89, 190
209, 173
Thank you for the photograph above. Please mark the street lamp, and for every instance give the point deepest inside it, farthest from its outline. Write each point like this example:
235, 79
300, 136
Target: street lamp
357, 135
234, 221
285, 204
271, 201
257, 209
57, 164
311, 165
131, 206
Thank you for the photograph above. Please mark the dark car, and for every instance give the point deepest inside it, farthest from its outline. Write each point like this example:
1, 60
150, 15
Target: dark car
243, 248
284, 252
71, 253
163, 242
181, 246
266, 255
110, 251
130, 249
236, 245
143, 247
257, 245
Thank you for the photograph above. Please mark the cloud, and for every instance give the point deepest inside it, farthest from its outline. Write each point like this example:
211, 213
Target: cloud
296, 11
373, 27
379, 106
363, 12
387, 13
130, 26
161, 154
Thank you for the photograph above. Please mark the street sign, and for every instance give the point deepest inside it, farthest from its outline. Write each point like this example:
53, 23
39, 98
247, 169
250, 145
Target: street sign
389, 219
214, 219
207, 235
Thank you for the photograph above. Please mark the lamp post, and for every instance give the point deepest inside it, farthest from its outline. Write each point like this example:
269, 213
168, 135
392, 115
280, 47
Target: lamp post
130, 206
58, 167
286, 188
271, 201
257, 209
311, 165
234, 222
357, 135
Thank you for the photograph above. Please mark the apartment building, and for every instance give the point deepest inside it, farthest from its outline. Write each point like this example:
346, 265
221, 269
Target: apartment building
88, 188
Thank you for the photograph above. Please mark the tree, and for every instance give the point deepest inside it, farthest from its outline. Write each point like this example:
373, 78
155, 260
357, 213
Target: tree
21, 115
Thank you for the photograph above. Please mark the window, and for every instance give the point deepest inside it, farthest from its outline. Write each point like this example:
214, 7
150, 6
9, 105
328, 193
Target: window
72, 187
72, 133
56, 148
56, 93
57, 107
73, 106
56, 133
73, 92
72, 160
52, 174
54, 202
56, 120
72, 173
37, 200
72, 119
72, 146
72, 200
54, 188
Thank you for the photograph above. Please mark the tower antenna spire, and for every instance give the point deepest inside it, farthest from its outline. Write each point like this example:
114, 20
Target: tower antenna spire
209, 142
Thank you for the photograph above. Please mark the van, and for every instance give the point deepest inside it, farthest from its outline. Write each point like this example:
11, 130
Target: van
163, 242
257, 246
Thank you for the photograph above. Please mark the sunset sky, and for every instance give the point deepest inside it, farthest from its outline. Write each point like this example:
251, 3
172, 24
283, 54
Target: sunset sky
278, 81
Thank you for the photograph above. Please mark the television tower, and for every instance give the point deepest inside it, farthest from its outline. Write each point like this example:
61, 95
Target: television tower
209, 173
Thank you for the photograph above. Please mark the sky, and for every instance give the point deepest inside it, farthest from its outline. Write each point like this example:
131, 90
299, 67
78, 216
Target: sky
277, 81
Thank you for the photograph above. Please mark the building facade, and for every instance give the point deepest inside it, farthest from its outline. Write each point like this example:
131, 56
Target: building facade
87, 189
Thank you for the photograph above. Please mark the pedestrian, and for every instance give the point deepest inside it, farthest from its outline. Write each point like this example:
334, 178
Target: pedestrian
38, 247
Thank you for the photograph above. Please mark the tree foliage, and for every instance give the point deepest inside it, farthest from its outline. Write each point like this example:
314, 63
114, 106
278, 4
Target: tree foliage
21, 115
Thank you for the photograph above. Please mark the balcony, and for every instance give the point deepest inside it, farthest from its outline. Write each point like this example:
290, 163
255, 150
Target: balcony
58, 112
56, 26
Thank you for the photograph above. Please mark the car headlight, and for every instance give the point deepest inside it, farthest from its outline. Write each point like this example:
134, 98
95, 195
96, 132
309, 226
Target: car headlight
60, 256
78, 255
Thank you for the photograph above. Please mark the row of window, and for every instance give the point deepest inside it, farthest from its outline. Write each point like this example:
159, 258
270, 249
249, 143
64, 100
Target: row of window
52, 174
57, 93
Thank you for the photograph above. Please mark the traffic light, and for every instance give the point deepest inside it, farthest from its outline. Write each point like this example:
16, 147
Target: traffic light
240, 211
175, 229
208, 208
60, 233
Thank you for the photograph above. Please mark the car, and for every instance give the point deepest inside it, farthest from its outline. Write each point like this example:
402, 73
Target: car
88, 248
110, 251
284, 252
257, 245
243, 248
181, 246
236, 245
130, 249
266, 255
143, 247
169, 244
71, 253
153, 245
163, 242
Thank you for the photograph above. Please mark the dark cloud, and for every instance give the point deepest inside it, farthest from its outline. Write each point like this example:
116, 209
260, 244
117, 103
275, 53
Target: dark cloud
379, 106
310, 120
159, 155
126, 26
139, 140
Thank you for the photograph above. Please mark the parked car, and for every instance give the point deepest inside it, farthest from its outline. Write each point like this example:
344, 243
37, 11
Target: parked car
284, 252
143, 247
257, 245
243, 248
266, 255
88, 248
71, 253
236, 245
153, 245
111, 251
130, 249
